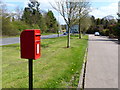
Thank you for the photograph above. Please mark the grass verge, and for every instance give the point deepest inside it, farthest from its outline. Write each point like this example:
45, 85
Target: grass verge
58, 66
48, 33
9, 36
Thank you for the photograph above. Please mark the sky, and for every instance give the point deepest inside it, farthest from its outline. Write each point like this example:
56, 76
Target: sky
99, 8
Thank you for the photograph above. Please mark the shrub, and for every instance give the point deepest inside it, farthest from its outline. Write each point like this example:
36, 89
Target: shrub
111, 36
116, 30
19, 25
104, 32
8, 28
13, 28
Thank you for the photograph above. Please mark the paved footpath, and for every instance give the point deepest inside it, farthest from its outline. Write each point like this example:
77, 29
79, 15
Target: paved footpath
102, 64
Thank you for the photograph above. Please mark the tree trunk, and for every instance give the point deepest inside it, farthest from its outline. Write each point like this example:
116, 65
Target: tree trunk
68, 37
79, 30
118, 40
58, 34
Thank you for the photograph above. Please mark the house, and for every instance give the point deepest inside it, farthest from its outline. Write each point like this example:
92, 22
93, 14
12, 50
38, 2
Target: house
73, 28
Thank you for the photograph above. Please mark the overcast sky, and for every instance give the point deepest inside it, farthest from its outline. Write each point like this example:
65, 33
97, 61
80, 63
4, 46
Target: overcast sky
100, 8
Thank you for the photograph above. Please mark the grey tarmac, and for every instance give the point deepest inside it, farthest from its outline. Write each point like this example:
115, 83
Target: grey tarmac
7, 41
102, 63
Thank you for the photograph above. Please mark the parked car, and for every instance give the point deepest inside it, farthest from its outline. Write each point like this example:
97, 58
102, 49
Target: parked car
97, 34
64, 33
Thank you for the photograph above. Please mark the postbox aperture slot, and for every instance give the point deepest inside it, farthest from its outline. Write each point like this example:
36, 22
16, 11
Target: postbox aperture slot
37, 35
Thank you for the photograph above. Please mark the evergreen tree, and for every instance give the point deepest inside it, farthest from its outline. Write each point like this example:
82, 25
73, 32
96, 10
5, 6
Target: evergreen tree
98, 21
32, 13
51, 22
33, 16
26, 16
42, 24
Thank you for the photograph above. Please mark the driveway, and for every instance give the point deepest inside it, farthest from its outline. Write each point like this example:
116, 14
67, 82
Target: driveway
7, 41
102, 64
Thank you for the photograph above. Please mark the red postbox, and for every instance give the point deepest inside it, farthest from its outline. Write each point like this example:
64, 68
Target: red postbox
30, 44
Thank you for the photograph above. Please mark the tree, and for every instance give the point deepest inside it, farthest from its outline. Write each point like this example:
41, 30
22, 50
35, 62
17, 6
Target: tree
83, 13
69, 11
42, 23
63, 27
93, 20
5, 19
26, 16
98, 21
8, 27
34, 7
51, 22
31, 14
18, 13
102, 21
86, 23
105, 24
117, 31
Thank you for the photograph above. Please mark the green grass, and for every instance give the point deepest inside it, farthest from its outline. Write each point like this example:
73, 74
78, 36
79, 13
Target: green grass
55, 69
48, 33
9, 36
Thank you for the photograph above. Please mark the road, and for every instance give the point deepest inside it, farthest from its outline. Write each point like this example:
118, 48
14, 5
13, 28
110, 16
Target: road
7, 41
102, 63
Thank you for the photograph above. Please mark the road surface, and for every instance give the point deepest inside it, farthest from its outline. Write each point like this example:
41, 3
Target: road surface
7, 41
102, 64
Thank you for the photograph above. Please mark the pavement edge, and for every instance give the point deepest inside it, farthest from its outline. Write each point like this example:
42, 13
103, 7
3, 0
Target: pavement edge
82, 74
